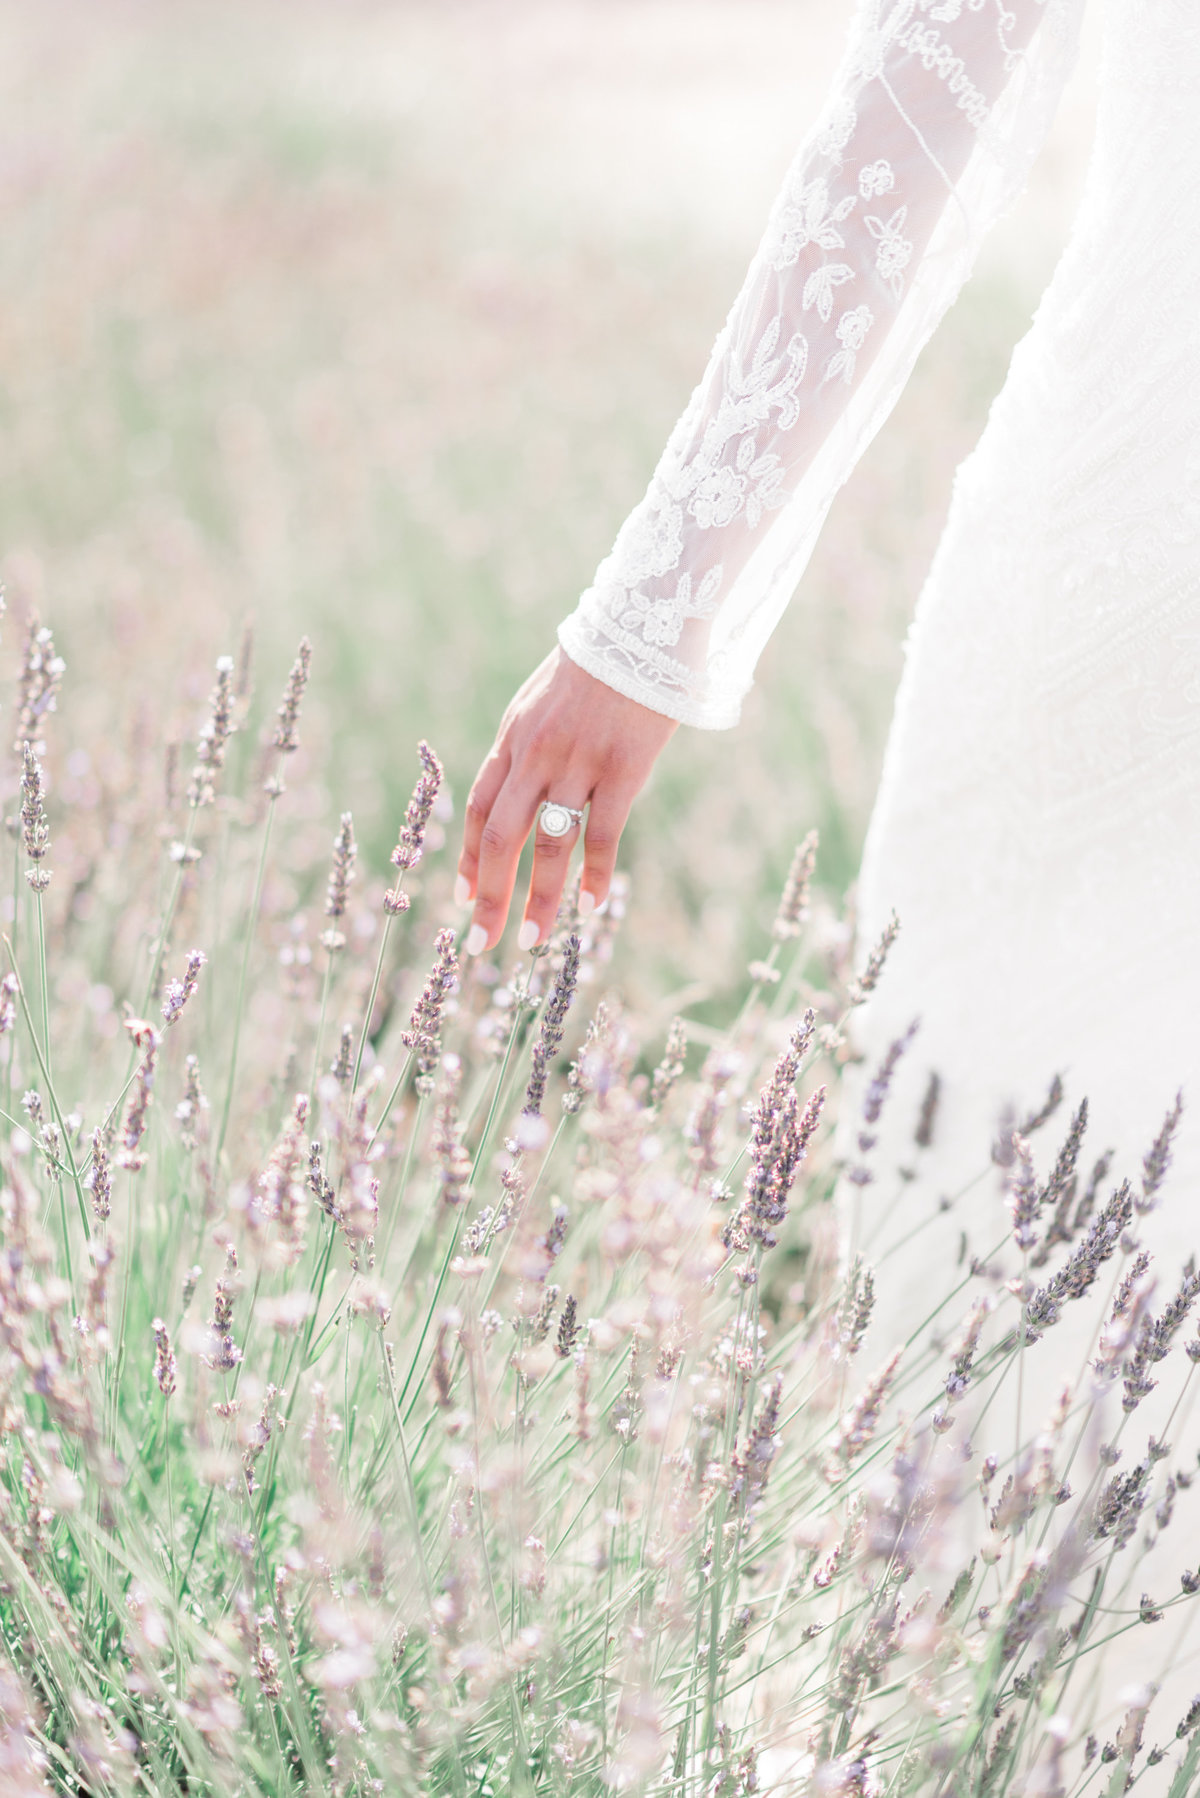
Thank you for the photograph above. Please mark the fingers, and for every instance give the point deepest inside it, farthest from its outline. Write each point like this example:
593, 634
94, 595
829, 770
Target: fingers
501, 839
607, 818
551, 859
568, 735
480, 800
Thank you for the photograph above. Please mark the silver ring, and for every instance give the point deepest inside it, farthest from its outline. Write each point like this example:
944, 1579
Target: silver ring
556, 820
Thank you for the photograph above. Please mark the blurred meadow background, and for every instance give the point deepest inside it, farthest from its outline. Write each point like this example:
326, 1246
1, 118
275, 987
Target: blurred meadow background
369, 321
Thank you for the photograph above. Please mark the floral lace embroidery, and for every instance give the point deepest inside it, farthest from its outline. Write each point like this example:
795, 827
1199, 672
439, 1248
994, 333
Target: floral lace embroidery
895, 252
680, 608
660, 621
810, 220
852, 334
876, 178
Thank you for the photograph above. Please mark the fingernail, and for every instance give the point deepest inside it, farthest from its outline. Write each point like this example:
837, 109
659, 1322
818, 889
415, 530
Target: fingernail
528, 935
462, 891
477, 939
587, 903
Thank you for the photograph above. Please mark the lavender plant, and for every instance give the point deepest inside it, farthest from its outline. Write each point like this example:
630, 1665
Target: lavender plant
480, 1409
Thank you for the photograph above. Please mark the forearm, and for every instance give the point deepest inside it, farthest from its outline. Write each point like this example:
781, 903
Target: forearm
931, 124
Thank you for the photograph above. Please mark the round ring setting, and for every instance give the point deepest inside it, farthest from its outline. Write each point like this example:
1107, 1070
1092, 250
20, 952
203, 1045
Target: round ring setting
556, 820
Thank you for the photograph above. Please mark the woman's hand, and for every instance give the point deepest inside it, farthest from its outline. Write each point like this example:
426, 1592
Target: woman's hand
568, 737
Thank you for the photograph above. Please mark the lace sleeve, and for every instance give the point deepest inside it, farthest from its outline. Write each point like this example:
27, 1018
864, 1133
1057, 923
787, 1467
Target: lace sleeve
938, 112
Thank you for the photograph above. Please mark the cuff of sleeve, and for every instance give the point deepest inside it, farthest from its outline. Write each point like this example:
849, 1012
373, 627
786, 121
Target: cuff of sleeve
616, 670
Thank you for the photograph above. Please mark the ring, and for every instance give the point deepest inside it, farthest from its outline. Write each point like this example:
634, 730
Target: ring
556, 820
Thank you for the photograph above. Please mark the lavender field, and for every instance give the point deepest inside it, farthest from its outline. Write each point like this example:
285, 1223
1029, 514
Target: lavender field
421, 1375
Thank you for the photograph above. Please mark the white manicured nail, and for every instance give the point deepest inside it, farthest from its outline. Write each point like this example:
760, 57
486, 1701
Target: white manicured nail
587, 903
476, 940
528, 935
462, 891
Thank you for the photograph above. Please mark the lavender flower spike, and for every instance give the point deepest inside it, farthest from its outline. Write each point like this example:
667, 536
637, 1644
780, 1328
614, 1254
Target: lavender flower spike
164, 1358
880, 1084
551, 1033
284, 736
180, 991
424, 1033
42, 669
793, 905
34, 828
215, 733
1158, 1160
341, 873
1023, 1197
411, 846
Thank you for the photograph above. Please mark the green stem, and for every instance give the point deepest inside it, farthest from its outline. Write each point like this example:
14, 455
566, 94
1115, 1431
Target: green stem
418, 1540
269, 1477
174, 1572
747, 1410
752, 996
268, 1482
369, 1013
714, 1628
519, 1015
45, 982
196, 1543
716, 1576
401, 1077
405, 1175
251, 928
170, 1494
299, 1721
432, 1307
325, 985
522, 1784
58, 1114
169, 915
608, 1619
1012, 1553
119, 1371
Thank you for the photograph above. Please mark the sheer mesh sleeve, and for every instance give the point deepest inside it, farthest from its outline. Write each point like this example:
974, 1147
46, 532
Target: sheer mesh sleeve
936, 116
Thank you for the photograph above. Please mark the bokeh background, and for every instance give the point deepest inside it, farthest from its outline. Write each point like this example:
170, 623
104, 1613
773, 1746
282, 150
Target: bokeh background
369, 321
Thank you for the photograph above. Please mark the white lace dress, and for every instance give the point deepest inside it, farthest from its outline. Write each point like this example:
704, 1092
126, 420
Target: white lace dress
1037, 828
